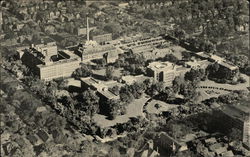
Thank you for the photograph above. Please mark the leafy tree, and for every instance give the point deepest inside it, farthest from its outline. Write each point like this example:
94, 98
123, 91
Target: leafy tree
247, 70
87, 148
102, 62
209, 47
148, 83
170, 58
186, 55
114, 152
176, 84
126, 95
235, 134
188, 90
54, 122
10, 35
36, 37
180, 34
232, 97
155, 89
149, 15
70, 27
90, 102
213, 68
109, 73
166, 94
25, 30
115, 89
195, 75
176, 130
115, 108
137, 89
83, 71
113, 28
61, 83
240, 60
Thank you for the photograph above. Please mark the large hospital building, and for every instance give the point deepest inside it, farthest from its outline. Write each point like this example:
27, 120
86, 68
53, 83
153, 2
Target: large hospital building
165, 71
47, 62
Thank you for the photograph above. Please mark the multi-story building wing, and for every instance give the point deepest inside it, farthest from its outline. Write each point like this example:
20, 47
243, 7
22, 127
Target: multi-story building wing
109, 52
162, 72
246, 132
58, 69
1, 20
49, 63
149, 41
236, 116
165, 71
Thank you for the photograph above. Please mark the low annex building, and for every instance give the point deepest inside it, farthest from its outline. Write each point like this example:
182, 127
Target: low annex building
102, 87
214, 58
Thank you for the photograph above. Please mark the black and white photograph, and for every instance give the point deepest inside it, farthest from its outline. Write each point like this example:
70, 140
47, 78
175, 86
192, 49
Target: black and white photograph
124, 78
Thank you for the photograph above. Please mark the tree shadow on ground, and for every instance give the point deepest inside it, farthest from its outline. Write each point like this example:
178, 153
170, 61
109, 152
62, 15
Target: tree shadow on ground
73, 89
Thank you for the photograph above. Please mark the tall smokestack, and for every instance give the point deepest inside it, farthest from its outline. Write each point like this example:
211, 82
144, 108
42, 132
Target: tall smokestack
87, 28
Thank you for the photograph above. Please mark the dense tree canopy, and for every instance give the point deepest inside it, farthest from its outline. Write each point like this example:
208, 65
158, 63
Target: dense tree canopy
90, 102
83, 71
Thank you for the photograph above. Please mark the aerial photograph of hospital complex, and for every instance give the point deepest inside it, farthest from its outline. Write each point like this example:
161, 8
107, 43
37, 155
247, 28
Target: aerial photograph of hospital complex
124, 78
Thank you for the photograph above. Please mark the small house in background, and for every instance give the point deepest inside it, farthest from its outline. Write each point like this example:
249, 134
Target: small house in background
148, 150
123, 4
43, 135
33, 139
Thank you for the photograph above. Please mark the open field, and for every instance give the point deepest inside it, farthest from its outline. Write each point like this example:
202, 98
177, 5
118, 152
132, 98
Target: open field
209, 93
117, 72
134, 109
213, 91
151, 108
73, 82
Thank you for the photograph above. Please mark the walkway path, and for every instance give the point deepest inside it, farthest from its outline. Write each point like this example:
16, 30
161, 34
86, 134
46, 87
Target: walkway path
228, 87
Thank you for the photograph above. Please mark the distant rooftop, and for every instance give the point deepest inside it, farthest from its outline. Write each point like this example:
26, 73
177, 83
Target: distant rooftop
202, 54
44, 41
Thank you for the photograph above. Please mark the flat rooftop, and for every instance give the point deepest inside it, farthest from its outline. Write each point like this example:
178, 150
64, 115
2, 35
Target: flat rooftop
238, 110
228, 65
129, 79
202, 63
102, 86
98, 49
161, 66
202, 54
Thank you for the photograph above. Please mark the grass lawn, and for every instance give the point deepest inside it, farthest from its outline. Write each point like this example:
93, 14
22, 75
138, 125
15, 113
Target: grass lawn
73, 82
177, 51
207, 93
240, 86
133, 109
163, 106
117, 72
